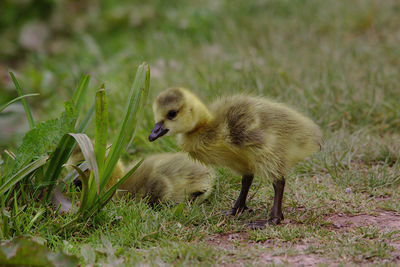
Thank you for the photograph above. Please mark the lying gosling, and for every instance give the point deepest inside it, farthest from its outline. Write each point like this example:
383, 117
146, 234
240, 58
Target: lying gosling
170, 177
250, 135
164, 177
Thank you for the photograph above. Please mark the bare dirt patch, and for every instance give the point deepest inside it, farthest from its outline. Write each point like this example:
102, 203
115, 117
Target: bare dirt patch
229, 240
298, 257
267, 252
384, 220
286, 253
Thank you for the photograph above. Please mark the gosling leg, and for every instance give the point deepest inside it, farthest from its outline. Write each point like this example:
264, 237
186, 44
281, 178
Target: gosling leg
240, 204
276, 215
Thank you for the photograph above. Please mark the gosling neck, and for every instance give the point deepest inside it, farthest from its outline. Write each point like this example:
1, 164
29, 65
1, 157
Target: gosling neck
203, 118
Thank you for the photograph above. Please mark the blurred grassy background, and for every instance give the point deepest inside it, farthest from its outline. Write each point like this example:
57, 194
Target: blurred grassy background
337, 61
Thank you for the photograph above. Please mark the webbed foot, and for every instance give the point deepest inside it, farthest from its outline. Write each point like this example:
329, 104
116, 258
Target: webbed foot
275, 220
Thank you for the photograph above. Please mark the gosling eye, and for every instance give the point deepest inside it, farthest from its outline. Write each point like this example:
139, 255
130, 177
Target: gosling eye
172, 114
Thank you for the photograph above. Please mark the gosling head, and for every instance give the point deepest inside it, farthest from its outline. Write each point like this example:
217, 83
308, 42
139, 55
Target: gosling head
176, 111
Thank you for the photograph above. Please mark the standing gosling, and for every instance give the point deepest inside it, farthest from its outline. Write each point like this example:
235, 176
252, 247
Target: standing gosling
162, 177
250, 135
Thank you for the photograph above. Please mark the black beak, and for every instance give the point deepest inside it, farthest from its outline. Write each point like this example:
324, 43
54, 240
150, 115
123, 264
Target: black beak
157, 131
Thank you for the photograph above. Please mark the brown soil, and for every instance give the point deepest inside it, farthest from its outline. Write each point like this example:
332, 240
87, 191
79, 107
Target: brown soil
238, 242
233, 242
301, 258
384, 220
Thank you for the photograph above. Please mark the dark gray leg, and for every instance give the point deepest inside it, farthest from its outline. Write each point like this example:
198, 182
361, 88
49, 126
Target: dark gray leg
240, 204
276, 214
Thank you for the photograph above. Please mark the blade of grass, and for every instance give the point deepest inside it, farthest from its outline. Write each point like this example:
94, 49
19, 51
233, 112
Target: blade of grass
103, 200
23, 100
10, 153
80, 91
71, 176
67, 143
101, 127
144, 102
130, 118
90, 211
5, 215
35, 218
86, 120
112, 189
22, 174
88, 153
85, 186
61, 154
16, 213
15, 100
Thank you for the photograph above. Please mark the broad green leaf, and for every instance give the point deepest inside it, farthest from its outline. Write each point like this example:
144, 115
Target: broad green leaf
40, 212
44, 138
14, 100
88, 153
131, 115
79, 94
144, 102
103, 200
86, 120
101, 127
57, 159
71, 176
8, 184
24, 103
85, 186
10, 154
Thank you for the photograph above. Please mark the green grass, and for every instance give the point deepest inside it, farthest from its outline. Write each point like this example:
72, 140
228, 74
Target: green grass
336, 61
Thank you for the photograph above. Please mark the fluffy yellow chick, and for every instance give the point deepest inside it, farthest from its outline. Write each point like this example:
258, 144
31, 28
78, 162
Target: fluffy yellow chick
250, 135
